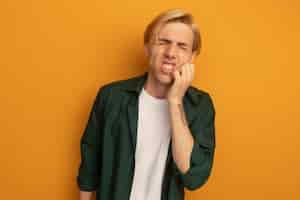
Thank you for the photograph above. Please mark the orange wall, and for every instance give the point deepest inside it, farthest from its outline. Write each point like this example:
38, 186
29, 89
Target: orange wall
55, 54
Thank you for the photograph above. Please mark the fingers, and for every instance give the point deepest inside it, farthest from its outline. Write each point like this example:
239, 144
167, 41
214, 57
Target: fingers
184, 76
191, 72
187, 73
182, 80
176, 77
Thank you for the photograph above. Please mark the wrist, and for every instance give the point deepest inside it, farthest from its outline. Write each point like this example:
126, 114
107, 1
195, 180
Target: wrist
172, 102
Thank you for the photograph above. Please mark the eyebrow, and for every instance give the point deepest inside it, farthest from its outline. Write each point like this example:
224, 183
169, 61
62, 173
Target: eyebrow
170, 41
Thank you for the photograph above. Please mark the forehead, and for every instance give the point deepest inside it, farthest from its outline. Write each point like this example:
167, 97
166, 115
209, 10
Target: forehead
177, 32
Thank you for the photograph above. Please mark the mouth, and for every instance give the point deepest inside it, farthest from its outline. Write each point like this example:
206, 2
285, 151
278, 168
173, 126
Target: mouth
168, 67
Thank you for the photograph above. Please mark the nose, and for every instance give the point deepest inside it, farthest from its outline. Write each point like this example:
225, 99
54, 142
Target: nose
170, 51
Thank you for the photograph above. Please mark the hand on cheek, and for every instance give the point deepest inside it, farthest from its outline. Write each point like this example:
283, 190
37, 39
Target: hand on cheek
182, 80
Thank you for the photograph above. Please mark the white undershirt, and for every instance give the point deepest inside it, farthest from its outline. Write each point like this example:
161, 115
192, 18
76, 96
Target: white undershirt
153, 139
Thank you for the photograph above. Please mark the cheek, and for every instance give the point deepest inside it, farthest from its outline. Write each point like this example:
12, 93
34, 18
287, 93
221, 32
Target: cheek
153, 61
155, 57
182, 60
185, 59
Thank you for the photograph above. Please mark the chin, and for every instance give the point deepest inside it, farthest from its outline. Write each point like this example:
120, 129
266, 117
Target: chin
165, 79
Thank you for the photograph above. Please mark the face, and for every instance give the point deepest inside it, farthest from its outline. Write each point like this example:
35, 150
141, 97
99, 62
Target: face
170, 50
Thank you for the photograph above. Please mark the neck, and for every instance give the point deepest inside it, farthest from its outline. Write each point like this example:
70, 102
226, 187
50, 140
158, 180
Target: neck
155, 89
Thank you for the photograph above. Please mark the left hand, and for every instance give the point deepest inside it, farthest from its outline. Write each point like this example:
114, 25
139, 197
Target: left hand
181, 83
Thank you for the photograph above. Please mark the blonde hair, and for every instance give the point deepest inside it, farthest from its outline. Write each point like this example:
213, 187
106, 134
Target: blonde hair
169, 16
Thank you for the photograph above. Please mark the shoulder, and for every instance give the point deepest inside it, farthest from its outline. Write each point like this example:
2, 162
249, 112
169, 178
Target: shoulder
118, 85
198, 104
199, 96
115, 90
197, 92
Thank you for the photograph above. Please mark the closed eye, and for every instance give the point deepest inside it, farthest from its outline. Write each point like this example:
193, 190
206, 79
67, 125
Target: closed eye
163, 41
183, 46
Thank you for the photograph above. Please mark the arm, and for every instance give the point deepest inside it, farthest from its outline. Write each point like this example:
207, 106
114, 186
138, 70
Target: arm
182, 139
193, 145
85, 195
90, 145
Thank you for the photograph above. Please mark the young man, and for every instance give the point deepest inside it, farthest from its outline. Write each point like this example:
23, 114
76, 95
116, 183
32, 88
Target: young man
150, 136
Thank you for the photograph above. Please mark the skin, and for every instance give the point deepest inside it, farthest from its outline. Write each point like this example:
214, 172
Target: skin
173, 45
85, 195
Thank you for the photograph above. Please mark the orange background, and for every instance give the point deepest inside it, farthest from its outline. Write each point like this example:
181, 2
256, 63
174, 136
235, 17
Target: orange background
55, 54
